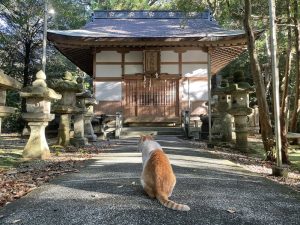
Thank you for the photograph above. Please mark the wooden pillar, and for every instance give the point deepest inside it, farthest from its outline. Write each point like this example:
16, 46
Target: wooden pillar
209, 91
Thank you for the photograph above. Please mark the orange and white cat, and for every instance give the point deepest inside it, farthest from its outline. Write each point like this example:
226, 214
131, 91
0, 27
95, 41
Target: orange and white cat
158, 179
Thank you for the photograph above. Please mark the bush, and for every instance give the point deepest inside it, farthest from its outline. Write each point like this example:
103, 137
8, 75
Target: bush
13, 123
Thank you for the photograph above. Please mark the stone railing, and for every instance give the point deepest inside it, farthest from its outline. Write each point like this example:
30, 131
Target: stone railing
193, 125
110, 124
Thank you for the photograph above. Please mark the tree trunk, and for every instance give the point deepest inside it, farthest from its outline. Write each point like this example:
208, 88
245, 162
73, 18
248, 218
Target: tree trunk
26, 78
285, 83
297, 64
265, 123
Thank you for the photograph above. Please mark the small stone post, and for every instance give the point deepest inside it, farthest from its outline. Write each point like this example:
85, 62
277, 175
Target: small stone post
118, 125
38, 97
186, 121
88, 116
253, 121
88, 127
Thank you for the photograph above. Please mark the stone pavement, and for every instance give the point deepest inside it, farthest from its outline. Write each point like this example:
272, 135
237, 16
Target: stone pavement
107, 191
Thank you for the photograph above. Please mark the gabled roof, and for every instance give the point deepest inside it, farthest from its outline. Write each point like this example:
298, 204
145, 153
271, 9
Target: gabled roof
149, 24
141, 29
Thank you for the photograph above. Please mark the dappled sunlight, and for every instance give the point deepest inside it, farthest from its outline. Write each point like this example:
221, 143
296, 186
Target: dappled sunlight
116, 158
241, 179
180, 148
73, 193
193, 161
180, 157
167, 141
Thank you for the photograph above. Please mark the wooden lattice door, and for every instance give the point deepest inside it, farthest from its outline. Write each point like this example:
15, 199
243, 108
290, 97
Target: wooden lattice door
153, 97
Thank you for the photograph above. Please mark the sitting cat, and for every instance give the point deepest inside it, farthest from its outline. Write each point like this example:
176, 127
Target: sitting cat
158, 179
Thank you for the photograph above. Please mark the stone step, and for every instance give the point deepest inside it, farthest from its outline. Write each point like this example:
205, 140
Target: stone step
137, 131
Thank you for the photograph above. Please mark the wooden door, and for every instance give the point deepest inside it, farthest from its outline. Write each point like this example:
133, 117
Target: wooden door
153, 97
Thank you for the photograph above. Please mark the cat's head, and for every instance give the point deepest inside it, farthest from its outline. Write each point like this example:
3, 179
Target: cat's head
142, 139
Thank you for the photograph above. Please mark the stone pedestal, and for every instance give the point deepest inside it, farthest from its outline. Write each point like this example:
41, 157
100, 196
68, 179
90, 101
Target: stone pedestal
37, 146
64, 130
241, 125
78, 139
38, 97
216, 126
280, 171
88, 127
226, 121
241, 131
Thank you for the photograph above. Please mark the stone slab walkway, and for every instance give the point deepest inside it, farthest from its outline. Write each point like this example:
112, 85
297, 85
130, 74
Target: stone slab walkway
107, 191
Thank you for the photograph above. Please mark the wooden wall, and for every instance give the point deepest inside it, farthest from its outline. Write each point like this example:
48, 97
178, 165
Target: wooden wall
111, 66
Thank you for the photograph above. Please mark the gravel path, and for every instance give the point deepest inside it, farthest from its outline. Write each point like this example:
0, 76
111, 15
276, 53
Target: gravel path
107, 191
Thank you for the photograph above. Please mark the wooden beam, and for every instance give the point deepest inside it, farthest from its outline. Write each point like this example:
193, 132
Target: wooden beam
209, 93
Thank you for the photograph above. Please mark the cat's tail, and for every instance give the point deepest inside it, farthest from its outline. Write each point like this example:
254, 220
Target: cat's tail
172, 205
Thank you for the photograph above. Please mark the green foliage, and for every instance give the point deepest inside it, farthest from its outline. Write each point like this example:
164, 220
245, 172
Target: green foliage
130, 4
23, 26
69, 14
57, 149
14, 122
10, 158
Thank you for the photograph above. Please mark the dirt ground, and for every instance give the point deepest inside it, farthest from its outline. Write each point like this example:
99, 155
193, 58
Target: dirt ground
253, 162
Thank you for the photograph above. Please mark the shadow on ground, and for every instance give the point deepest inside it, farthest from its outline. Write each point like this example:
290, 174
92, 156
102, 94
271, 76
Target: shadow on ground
107, 191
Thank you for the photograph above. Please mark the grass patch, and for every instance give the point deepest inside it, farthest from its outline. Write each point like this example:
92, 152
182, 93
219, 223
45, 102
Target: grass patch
294, 157
256, 149
10, 158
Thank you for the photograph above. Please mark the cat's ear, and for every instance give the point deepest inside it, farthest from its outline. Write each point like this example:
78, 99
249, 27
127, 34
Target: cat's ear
142, 137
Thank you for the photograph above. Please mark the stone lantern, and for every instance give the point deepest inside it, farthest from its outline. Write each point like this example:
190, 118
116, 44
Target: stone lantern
6, 83
79, 139
38, 101
240, 109
223, 122
88, 116
68, 88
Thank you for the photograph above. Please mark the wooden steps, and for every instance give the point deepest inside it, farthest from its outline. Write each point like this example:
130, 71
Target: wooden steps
151, 121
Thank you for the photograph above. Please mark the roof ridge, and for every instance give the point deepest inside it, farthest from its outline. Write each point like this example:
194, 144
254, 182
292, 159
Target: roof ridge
151, 14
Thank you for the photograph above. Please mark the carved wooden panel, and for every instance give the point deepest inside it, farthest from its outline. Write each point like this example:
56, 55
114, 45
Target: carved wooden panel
151, 62
158, 98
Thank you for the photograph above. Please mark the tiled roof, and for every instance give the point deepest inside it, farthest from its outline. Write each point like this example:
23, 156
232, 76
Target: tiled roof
149, 29
142, 25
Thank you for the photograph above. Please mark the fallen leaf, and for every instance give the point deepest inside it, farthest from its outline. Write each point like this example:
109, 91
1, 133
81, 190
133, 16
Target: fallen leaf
231, 210
94, 195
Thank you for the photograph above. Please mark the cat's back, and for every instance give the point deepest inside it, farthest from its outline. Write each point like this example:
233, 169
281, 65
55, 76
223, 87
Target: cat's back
159, 162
